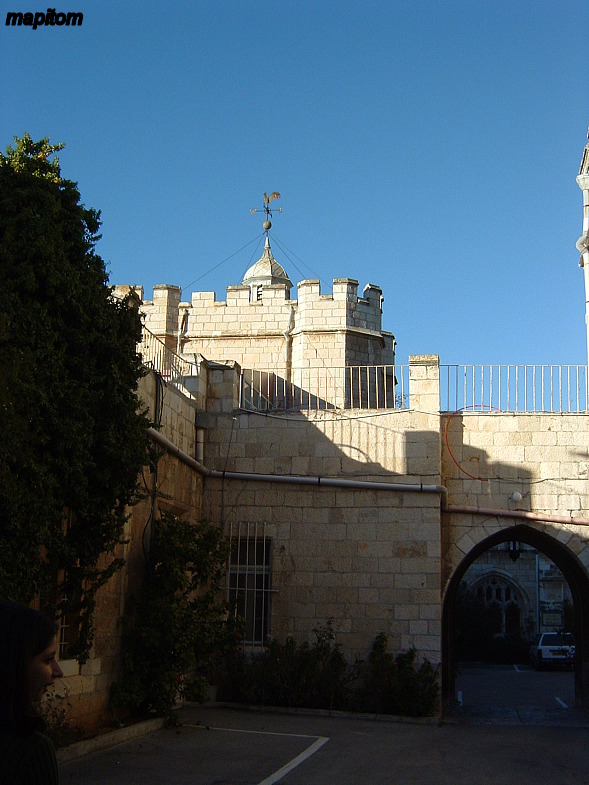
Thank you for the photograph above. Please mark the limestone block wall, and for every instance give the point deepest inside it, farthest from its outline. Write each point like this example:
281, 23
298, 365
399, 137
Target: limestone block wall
314, 331
179, 492
487, 457
161, 313
249, 332
367, 559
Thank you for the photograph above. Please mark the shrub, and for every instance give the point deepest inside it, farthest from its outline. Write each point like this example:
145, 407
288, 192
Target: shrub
60, 731
180, 629
396, 684
286, 674
318, 676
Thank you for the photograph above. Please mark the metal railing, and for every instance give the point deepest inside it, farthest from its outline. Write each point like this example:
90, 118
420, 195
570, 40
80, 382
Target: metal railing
514, 388
313, 389
501, 388
175, 370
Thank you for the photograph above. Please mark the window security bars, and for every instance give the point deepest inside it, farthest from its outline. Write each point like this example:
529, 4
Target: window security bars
514, 388
248, 580
313, 389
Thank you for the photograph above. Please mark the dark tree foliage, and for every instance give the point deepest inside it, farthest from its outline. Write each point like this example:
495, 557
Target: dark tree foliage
180, 630
73, 439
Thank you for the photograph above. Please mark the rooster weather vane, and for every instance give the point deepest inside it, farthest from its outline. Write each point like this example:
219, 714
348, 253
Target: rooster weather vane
268, 210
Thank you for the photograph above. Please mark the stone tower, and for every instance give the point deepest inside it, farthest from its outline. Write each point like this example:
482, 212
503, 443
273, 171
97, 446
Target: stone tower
297, 343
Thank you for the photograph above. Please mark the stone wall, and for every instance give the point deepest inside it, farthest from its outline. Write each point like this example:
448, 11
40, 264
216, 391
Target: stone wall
379, 560
488, 457
180, 492
368, 559
314, 331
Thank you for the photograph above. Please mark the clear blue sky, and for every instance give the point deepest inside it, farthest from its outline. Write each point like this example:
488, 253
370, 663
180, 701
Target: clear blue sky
430, 148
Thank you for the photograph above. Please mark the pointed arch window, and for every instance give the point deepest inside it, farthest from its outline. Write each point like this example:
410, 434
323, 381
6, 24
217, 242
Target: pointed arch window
500, 597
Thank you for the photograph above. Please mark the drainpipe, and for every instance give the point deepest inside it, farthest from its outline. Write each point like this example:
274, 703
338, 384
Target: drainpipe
521, 514
328, 482
173, 449
333, 482
288, 345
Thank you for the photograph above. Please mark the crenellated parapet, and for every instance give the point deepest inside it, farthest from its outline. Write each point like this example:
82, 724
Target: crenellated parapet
262, 327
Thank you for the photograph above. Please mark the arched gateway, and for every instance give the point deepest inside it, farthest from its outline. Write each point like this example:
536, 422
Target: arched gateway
575, 575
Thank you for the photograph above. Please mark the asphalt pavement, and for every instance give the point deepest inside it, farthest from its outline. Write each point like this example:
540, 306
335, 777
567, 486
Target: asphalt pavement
220, 745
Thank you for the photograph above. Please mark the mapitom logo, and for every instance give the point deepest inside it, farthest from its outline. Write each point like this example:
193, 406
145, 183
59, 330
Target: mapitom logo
49, 18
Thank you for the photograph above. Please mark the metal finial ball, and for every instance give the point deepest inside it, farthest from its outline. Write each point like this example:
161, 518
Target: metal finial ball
266, 225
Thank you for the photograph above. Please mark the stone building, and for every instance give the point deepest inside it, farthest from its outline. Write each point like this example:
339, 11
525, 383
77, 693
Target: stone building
286, 344
525, 589
353, 489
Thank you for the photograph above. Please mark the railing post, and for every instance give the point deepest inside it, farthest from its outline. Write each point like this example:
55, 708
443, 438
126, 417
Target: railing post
424, 382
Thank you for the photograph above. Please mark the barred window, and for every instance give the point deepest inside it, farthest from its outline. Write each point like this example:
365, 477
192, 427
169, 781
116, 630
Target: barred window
249, 575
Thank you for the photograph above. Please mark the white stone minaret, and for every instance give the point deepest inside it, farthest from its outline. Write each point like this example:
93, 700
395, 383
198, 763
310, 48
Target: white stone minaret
583, 241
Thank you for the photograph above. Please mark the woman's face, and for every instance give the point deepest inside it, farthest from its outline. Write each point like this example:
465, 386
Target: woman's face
44, 670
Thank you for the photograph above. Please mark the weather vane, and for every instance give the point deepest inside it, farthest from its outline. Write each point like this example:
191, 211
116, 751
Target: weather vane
268, 210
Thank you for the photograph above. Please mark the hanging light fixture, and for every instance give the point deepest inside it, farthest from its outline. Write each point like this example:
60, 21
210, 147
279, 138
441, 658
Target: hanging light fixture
514, 550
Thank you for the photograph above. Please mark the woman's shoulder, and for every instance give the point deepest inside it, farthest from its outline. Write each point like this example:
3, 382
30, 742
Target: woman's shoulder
27, 758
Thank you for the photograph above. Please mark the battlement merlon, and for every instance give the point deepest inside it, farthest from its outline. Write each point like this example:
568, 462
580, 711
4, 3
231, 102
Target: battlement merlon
168, 316
121, 291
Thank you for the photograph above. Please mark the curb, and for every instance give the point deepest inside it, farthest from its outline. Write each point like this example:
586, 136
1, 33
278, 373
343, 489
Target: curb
120, 735
110, 739
294, 711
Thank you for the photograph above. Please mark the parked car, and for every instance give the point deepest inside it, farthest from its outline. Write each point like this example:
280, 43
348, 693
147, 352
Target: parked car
553, 648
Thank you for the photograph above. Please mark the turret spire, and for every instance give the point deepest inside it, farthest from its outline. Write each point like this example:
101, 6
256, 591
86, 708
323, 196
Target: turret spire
266, 271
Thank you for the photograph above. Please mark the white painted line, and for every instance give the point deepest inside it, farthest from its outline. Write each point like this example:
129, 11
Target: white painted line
278, 775
254, 732
562, 703
516, 669
282, 772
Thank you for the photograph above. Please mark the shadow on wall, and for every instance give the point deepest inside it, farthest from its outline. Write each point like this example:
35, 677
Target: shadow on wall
475, 481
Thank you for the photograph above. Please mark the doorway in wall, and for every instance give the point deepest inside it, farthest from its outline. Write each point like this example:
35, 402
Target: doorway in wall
515, 584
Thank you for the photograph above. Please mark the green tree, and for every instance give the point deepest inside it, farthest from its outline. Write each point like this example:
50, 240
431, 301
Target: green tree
73, 435
180, 629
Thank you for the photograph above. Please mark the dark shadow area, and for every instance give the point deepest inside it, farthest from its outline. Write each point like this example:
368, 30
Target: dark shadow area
365, 387
573, 572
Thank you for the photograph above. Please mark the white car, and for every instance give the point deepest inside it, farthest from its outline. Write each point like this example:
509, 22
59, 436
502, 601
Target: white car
553, 648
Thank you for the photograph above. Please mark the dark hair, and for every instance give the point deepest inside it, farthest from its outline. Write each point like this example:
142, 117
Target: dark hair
24, 633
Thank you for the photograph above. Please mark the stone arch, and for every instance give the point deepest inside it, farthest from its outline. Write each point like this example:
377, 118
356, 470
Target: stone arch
574, 573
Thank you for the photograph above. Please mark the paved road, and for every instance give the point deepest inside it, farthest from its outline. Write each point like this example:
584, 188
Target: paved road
223, 746
519, 686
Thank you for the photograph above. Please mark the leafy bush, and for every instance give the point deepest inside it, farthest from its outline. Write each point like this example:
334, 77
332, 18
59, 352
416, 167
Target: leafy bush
60, 731
318, 676
179, 629
285, 674
397, 685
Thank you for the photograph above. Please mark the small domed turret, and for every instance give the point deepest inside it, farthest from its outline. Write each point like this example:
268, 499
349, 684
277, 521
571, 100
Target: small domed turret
266, 271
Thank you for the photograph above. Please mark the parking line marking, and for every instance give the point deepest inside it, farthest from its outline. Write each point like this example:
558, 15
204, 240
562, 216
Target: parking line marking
278, 775
516, 669
562, 703
292, 764
247, 730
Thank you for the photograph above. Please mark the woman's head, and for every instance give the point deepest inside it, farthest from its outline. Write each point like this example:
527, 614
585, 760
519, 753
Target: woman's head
28, 653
